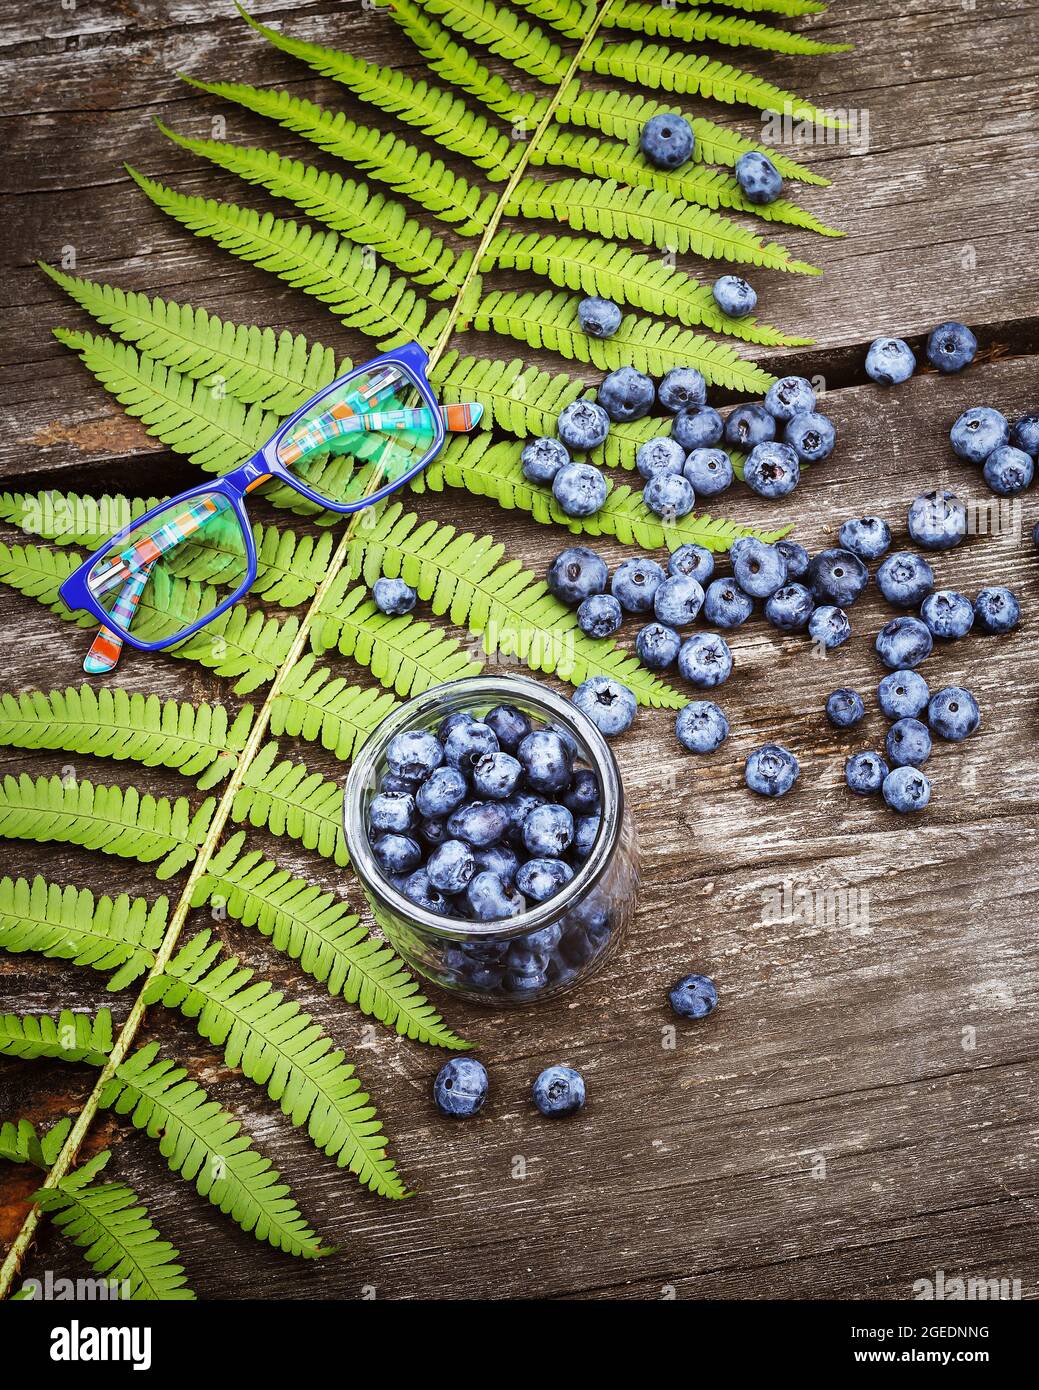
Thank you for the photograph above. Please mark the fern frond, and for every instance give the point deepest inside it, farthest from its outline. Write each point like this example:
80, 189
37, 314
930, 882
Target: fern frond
110, 722
571, 18
120, 934
366, 218
549, 320
653, 65
695, 26
286, 799
20, 1142
392, 161
111, 1225
70, 1037
72, 518
202, 1143
278, 370
784, 7
114, 820
281, 1048
321, 264
504, 33
462, 575
439, 114
314, 704
648, 215
616, 272
319, 930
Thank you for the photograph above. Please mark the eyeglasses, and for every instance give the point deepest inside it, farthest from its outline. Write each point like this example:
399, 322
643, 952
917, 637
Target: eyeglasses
348, 447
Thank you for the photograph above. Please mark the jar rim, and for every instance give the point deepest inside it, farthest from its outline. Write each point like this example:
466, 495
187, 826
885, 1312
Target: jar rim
480, 689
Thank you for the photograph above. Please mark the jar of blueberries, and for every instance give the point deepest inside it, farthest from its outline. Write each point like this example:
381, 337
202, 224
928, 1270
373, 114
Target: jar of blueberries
486, 822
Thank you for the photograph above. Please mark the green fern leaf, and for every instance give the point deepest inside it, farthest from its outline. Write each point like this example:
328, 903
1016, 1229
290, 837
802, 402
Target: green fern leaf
461, 575
319, 930
114, 820
109, 1223
111, 722
202, 1143
784, 7
648, 215
282, 1049
72, 518
366, 218
439, 114
572, 18
321, 264
20, 1143
314, 704
120, 934
616, 272
505, 34
71, 1037
694, 26
392, 161
286, 799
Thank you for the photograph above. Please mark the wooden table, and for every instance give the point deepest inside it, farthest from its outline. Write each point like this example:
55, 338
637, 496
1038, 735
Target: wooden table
860, 1112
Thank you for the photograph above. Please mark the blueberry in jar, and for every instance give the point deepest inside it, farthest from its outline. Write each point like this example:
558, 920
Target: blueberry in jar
466, 744
413, 754
478, 823
541, 879
547, 761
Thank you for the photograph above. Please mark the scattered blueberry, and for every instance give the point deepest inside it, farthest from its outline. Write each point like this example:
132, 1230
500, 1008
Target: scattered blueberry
701, 726
697, 426
905, 579
866, 536
660, 455
580, 489
626, 394
726, 605
903, 694
771, 770
759, 569
460, 1089
790, 608
811, 435
1024, 433
890, 361
608, 704
393, 597
759, 178
669, 495
903, 642
789, 396
1008, 471
657, 646
705, 659
709, 471
749, 425
598, 317
837, 576
583, 425
559, 1090
906, 790
977, 432
949, 615
951, 347
635, 582
542, 459
677, 600
953, 713
996, 610
693, 997
600, 615
796, 557
576, 573
667, 140
830, 626
694, 560
734, 296
683, 389
937, 520
908, 743
864, 773
772, 470
845, 708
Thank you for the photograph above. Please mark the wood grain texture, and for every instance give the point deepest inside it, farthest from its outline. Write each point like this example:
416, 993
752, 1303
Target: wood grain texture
860, 1111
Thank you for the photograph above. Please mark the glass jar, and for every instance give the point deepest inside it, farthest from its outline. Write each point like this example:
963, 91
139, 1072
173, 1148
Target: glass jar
550, 947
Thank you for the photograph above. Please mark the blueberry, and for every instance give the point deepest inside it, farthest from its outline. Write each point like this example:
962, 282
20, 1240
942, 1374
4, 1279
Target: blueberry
1025, 434
413, 754
908, 743
460, 1089
694, 560
771, 770
626, 394
659, 455
830, 626
669, 495
903, 642
394, 782
701, 726
586, 829
433, 830
489, 899
582, 796
748, 425
451, 866
705, 660
478, 823
951, 347
890, 361
497, 859
796, 557
734, 296
392, 811
682, 389
845, 708
495, 776
953, 713
453, 721
635, 582
866, 536
677, 600
598, 317
559, 1090
905, 579
580, 489
726, 605
996, 610
837, 576
466, 744
509, 725
758, 177
949, 615
906, 789
864, 773
657, 646
575, 573
790, 396
441, 792
772, 470
541, 879
524, 983
397, 854
549, 830
608, 704
697, 427
1008, 471
811, 436
583, 425
693, 997
759, 569
790, 608
418, 889
903, 694
542, 459
937, 520
393, 596
708, 471
600, 615
977, 432
547, 761
667, 140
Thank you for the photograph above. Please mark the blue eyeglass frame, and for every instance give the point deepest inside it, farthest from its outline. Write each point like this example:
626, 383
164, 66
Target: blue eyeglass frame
264, 464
